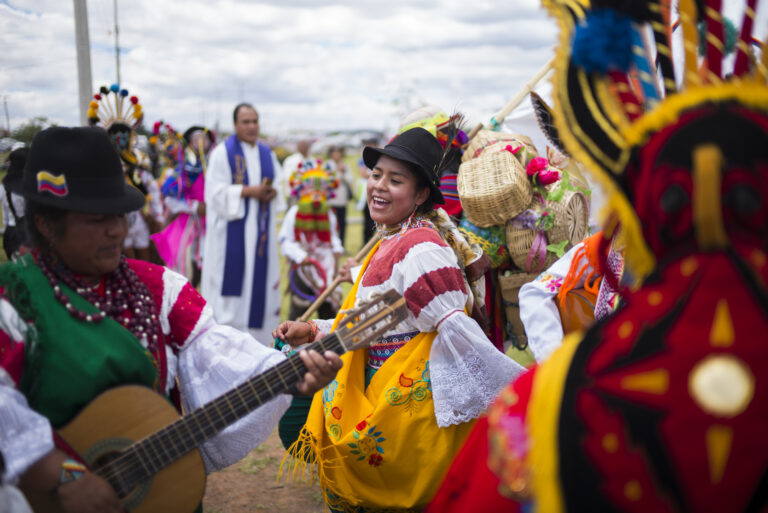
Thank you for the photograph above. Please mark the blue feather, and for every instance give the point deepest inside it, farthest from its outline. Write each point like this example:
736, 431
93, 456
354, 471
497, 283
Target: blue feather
602, 42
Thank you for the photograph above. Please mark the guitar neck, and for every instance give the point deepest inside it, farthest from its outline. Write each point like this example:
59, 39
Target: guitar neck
177, 439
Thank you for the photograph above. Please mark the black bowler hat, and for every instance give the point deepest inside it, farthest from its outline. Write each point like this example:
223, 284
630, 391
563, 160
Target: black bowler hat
16, 160
417, 147
197, 128
78, 169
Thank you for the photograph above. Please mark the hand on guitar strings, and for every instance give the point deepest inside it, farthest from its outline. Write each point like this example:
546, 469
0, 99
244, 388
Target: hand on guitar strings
321, 369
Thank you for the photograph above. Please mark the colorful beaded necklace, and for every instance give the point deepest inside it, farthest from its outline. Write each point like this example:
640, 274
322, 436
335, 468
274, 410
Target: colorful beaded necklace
125, 298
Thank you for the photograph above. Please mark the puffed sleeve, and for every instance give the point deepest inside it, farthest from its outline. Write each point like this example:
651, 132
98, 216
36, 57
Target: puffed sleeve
538, 311
466, 370
212, 359
25, 435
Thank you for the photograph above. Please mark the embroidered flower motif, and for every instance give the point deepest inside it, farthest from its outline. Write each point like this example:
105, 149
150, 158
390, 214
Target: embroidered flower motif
361, 426
554, 285
336, 412
367, 445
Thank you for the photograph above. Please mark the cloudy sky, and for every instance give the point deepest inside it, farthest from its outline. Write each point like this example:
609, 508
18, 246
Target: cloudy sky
305, 64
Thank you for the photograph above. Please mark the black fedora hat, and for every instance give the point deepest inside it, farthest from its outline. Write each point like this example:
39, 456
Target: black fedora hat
197, 128
16, 160
78, 169
417, 147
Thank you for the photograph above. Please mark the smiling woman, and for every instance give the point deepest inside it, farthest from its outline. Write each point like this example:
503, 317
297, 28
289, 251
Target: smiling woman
397, 413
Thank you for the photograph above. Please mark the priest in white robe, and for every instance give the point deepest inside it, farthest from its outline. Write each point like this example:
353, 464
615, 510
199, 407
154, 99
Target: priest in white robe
241, 270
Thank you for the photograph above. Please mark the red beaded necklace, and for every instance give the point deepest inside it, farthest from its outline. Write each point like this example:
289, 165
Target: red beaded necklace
124, 298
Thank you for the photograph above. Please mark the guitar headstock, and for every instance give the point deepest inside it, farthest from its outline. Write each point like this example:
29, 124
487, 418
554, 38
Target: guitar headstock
370, 320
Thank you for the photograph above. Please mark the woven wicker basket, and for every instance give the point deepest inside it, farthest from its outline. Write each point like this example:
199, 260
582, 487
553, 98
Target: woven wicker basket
486, 138
571, 218
519, 242
510, 289
493, 189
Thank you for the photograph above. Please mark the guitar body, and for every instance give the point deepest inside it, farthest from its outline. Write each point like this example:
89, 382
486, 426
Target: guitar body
113, 421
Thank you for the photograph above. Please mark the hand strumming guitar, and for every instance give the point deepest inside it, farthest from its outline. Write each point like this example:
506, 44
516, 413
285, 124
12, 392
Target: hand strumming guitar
321, 369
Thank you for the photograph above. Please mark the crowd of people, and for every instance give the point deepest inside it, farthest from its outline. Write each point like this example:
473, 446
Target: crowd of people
646, 387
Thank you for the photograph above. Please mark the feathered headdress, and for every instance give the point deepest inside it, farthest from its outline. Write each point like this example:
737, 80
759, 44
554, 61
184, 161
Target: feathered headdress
117, 113
662, 147
114, 105
314, 175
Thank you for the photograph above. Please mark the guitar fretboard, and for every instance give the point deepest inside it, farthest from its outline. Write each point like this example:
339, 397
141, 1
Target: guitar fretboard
146, 457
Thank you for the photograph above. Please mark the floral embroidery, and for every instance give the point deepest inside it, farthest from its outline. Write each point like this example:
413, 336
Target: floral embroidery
418, 390
551, 283
328, 393
367, 444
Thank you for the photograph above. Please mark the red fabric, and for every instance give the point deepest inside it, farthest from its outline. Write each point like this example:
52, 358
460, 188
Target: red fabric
431, 285
470, 485
11, 355
152, 276
688, 293
185, 314
393, 250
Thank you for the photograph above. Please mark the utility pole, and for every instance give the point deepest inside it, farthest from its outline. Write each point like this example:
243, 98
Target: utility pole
117, 44
85, 87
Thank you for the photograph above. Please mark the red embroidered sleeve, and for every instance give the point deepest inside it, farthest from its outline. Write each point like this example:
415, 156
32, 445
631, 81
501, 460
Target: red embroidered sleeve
185, 314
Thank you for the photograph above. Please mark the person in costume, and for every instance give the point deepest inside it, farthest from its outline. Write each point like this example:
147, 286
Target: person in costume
79, 319
12, 202
382, 433
180, 243
120, 114
309, 238
241, 270
548, 312
660, 406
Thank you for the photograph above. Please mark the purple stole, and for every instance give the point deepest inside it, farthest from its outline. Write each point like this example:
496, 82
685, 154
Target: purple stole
234, 260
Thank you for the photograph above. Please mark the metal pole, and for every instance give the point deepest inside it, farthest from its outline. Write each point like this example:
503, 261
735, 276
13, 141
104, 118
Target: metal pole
117, 44
85, 87
7, 119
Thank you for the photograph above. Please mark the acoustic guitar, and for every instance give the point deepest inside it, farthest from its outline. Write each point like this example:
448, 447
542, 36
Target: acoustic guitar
134, 439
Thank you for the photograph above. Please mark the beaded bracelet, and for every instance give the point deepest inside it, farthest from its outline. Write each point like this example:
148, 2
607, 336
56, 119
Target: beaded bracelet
71, 470
312, 330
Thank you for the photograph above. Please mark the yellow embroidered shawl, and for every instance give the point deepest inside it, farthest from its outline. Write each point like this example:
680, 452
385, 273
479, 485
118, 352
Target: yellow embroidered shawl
378, 448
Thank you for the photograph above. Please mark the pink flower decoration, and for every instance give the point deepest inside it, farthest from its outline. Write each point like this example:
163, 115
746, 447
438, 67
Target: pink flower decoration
548, 176
536, 165
512, 150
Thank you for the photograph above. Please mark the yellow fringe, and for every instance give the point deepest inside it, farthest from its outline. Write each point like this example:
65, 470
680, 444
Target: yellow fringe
301, 466
543, 420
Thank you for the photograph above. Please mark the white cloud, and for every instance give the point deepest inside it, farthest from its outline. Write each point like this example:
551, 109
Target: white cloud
305, 64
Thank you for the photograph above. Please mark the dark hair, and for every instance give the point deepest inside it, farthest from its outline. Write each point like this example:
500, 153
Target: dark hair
421, 183
241, 106
57, 217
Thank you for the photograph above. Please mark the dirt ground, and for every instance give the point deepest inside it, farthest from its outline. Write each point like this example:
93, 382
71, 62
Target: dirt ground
251, 486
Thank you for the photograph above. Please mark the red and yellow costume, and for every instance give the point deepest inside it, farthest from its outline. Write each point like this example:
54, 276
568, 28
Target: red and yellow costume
662, 406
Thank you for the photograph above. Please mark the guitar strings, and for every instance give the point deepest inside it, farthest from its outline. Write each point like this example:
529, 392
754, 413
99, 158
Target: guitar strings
246, 392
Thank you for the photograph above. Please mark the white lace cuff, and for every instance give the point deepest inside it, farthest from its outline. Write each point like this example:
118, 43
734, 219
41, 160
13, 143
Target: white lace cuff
217, 361
466, 370
25, 435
